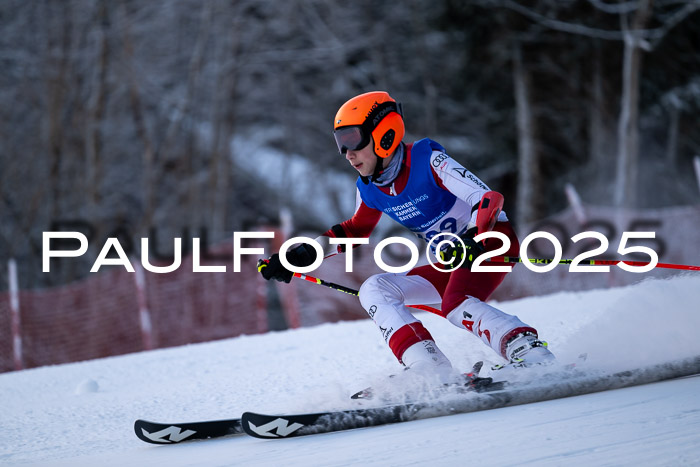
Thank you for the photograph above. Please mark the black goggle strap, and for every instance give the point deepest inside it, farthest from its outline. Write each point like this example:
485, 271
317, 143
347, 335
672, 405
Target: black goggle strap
379, 112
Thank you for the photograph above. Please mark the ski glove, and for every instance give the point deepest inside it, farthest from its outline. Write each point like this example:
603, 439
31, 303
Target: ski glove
467, 249
303, 255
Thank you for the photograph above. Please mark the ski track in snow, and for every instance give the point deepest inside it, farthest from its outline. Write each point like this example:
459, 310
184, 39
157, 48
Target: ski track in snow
83, 413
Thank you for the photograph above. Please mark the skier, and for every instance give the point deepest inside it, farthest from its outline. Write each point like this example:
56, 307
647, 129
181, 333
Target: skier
427, 191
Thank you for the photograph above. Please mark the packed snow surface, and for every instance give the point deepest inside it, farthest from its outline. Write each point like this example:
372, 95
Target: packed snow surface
82, 414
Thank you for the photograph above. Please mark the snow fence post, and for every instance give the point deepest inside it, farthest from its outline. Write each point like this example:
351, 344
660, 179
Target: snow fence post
288, 294
575, 203
144, 313
14, 313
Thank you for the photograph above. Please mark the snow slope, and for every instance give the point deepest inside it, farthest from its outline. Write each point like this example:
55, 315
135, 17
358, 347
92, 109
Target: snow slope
83, 413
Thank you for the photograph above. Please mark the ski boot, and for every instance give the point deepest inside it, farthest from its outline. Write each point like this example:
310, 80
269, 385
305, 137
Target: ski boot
526, 350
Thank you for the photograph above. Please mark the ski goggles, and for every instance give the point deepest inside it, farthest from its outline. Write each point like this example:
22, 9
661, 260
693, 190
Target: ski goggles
351, 138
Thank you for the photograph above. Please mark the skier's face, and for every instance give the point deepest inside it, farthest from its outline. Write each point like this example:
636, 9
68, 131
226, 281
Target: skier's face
363, 160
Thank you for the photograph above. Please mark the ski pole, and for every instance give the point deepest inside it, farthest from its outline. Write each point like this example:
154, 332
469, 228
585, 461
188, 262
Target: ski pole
495, 259
344, 289
592, 262
354, 292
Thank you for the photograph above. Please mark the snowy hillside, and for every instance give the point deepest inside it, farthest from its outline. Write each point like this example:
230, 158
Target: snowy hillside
83, 413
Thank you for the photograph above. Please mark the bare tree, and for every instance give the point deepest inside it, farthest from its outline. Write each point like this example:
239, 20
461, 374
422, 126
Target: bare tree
628, 123
96, 111
121, 114
529, 167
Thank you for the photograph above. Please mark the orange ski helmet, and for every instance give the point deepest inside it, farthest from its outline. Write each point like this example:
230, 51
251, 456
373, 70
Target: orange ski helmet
373, 114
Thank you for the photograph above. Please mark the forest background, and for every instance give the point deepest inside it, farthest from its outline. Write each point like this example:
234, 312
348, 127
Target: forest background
120, 118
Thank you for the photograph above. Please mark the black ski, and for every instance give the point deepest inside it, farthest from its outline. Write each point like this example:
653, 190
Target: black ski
171, 433
285, 426
553, 386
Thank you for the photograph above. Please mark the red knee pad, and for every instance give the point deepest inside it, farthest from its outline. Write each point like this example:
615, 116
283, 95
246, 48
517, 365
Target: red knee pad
406, 336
